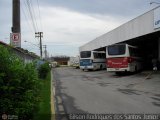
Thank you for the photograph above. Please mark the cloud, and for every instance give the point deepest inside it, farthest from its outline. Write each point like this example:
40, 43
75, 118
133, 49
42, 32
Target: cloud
103, 7
5, 20
65, 25
65, 28
68, 24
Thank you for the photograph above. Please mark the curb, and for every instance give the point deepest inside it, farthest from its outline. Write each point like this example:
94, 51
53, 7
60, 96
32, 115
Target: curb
52, 98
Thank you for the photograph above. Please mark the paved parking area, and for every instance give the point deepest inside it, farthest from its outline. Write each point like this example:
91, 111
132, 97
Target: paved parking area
103, 92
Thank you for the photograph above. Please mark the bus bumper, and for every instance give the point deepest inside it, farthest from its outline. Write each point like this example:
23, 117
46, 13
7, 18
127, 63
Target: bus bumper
86, 67
118, 69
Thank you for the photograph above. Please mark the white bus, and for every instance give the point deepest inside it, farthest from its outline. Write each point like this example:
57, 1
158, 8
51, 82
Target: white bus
92, 60
123, 57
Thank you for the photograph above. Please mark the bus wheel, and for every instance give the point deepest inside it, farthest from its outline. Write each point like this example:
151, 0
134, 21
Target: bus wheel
135, 69
101, 67
118, 73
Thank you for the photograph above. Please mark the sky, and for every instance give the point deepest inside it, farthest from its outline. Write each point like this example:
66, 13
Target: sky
68, 24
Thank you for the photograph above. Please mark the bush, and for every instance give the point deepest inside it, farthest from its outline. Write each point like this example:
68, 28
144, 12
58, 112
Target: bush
43, 70
19, 86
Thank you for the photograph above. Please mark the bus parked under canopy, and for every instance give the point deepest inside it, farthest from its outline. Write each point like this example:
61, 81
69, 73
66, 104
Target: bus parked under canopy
123, 57
92, 60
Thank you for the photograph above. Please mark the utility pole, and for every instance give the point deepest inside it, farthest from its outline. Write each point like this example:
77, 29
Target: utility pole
39, 35
45, 51
16, 24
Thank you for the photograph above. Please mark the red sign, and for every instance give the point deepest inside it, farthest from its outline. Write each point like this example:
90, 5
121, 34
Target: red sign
16, 39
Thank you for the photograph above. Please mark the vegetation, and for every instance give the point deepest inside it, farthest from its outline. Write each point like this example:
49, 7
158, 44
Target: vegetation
44, 112
21, 91
43, 70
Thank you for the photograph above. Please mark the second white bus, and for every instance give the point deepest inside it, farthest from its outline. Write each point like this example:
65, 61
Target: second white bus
123, 57
92, 60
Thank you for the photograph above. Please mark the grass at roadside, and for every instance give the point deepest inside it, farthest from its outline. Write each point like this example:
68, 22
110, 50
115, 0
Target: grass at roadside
44, 112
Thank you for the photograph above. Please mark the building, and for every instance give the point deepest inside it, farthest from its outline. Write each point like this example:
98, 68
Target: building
74, 61
143, 31
26, 56
61, 60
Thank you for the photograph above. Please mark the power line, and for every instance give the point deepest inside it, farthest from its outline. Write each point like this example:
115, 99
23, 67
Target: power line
34, 15
39, 15
27, 16
27, 19
31, 15
26, 5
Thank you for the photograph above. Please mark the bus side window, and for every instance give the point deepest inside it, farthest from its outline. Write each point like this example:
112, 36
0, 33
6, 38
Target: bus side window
99, 55
103, 55
133, 52
95, 55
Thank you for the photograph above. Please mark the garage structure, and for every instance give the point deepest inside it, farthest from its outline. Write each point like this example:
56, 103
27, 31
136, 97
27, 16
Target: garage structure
143, 31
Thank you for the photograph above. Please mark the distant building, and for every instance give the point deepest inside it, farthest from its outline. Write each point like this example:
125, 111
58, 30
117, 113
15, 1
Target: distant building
61, 60
74, 61
25, 55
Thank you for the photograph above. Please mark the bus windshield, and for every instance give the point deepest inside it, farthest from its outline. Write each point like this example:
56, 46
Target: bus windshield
116, 50
85, 54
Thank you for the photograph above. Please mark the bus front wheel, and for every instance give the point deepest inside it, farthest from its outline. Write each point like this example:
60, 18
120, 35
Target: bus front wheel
101, 67
135, 69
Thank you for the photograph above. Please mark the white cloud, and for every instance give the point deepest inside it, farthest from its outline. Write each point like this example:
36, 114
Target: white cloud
64, 27
61, 24
65, 30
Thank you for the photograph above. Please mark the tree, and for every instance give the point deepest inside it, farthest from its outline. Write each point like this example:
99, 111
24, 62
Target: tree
19, 86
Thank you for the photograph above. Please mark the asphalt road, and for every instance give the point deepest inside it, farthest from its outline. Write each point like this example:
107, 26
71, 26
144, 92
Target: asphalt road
103, 92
